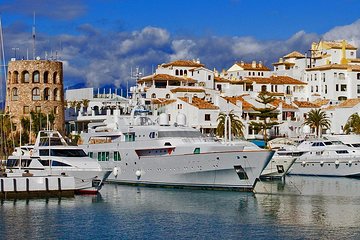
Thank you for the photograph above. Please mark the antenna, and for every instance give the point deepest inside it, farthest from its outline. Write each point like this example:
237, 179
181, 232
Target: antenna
33, 36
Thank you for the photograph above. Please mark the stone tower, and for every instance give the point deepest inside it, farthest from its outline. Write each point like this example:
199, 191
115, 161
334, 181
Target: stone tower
35, 85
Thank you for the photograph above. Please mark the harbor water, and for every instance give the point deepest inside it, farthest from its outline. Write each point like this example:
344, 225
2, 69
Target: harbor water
299, 208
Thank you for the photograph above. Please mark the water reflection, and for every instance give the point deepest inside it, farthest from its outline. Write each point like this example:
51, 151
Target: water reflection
298, 208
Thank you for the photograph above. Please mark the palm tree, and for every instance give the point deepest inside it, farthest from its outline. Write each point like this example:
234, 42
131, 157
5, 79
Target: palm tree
317, 119
353, 124
236, 125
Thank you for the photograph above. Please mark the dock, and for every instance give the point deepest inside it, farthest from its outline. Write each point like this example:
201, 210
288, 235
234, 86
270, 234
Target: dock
36, 187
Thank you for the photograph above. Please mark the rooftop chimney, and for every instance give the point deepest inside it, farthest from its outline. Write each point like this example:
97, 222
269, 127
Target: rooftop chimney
253, 65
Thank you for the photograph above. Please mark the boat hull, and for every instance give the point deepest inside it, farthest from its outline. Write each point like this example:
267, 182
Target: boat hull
233, 170
278, 167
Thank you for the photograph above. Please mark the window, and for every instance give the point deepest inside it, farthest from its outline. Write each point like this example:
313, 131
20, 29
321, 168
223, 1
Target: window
36, 77
26, 110
180, 106
56, 110
335, 75
57, 95
117, 156
209, 77
341, 76
337, 87
15, 77
263, 88
185, 72
207, 117
325, 88
103, 156
55, 77
36, 94
15, 95
46, 77
153, 95
312, 88
317, 89
358, 89
177, 72
25, 77
181, 72
288, 90
46, 94
197, 151
167, 96
343, 87
38, 109
358, 76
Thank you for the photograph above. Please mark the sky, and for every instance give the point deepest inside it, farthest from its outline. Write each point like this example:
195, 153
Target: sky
100, 41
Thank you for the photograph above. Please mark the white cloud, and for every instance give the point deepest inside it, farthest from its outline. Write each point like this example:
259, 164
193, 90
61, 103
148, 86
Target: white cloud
349, 32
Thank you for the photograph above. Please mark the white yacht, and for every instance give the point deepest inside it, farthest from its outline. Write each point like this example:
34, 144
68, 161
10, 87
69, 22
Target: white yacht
327, 158
52, 155
142, 152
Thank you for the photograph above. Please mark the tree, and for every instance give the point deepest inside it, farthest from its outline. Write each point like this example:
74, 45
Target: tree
353, 124
265, 114
236, 125
317, 119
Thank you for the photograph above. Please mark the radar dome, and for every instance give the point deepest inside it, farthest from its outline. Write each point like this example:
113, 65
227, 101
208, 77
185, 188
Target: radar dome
181, 119
163, 119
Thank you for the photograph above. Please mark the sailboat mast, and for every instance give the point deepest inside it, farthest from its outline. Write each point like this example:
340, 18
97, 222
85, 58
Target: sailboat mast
3, 63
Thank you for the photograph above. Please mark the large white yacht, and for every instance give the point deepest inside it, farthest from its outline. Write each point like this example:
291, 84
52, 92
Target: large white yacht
143, 152
52, 155
327, 158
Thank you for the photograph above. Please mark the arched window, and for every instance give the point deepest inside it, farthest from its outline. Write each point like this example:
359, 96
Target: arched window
177, 72
36, 77
185, 72
56, 95
153, 95
341, 76
263, 88
55, 77
46, 94
9, 77
316, 88
181, 72
25, 77
36, 94
15, 77
288, 90
46, 77
167, 96
14, 94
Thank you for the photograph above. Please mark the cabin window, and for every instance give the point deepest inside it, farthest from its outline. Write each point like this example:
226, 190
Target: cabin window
129, 137
59, 164
103, 156
196, 150
91, 155
117, 156
342, 152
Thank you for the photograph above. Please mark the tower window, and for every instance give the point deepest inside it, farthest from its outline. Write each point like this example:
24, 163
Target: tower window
36, 94
36, 77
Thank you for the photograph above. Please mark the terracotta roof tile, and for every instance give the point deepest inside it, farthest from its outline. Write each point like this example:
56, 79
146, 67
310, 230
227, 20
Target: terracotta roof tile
245, 105
337, 45
183, 63
276, 80
220, 79
199, 103
321, 101
285, 105
305, 104
347, 67
184, 89
349, 103
162, 101
249, 66
294, 54
165, 77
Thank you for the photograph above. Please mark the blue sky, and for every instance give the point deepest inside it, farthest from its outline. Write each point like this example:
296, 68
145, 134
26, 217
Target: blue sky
100, 41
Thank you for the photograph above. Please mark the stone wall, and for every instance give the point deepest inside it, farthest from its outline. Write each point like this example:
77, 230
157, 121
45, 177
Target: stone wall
35, 85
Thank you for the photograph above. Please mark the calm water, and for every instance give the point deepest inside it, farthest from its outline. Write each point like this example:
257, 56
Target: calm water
300, 208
